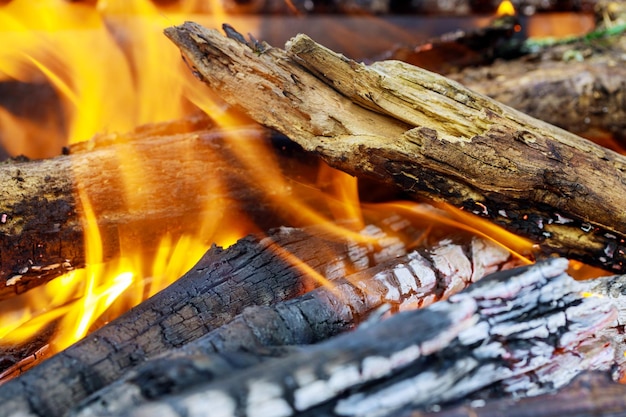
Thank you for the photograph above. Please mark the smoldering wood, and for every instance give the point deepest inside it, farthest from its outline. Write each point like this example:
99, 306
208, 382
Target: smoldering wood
593, 393
176, 174
590, 394
414, 280
498, 329
255, 271
432, 137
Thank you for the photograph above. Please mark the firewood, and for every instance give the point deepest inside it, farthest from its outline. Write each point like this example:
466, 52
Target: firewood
432, 137
179, 173
256, 271
572, 85
498, 329
590, 394
415, 280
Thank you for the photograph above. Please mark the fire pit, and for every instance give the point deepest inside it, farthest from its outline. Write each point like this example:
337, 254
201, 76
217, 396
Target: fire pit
265, 279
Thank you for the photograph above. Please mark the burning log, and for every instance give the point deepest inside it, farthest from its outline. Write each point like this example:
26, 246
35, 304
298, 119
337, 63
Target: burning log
499, 329
428, 135
255, 271
140, 192
590, 394
413, 280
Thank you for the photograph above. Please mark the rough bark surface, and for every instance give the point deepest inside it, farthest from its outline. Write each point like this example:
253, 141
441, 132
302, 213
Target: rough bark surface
255, 271
160, 180
498, 330
590, 394
427, 134
577, 86
414, 280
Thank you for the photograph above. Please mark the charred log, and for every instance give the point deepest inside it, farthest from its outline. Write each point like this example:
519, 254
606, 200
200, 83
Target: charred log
497, 330
414, 280
255, 271
590, 394
159, 180
428, 135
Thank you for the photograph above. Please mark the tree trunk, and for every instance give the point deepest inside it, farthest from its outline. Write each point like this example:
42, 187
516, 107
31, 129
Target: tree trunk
428, 135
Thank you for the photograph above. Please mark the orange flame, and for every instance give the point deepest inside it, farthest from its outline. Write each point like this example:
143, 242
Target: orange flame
111, 69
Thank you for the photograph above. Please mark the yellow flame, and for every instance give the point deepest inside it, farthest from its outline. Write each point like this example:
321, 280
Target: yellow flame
111, 69
505, 8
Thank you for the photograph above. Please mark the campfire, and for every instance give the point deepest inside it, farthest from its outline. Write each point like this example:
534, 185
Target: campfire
284, 224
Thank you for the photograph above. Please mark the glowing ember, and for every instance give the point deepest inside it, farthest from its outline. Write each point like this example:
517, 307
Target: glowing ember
505, 8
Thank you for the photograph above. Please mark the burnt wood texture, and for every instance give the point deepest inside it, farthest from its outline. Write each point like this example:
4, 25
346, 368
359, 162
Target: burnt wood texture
417, 279
518, 332
428, 135
257, 270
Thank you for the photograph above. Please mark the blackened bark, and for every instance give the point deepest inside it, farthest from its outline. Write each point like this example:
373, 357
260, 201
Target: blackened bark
255, 271
413, 280
497, 330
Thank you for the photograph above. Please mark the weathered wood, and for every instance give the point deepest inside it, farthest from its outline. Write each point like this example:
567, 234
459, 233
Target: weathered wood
498, 329
429, 135
256, 271
590, 394
160, 180
576, 85
414, 280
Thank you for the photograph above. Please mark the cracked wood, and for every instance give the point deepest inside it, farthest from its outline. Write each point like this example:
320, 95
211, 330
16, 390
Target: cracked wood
428, 135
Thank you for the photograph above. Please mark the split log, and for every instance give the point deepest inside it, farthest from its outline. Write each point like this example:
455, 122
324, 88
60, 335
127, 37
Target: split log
415, 280
159, 180
499, 328
428, 135
255, 271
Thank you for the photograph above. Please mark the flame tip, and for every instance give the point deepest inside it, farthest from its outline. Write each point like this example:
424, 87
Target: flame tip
506, 8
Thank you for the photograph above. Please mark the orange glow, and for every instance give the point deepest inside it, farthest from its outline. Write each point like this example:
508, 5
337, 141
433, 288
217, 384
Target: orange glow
505, 8
111, 69
451, 216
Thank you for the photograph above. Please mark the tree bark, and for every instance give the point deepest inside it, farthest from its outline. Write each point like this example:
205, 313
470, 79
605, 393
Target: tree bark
160, 180
256, 271
428, 135
576, 86
414, 280
499, 329
590, 394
